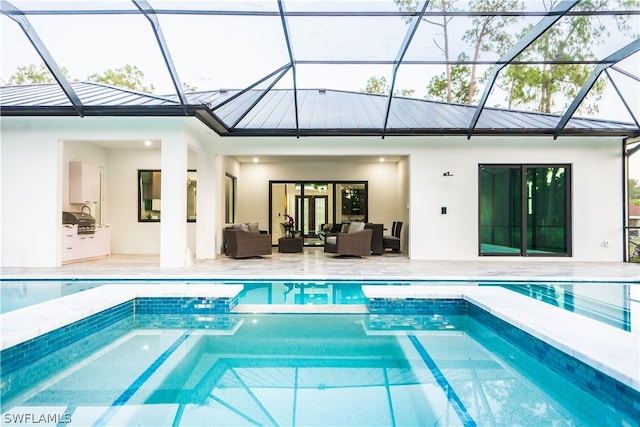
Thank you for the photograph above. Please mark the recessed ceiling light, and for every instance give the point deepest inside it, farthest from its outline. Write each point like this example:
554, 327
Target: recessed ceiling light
147, 143
381, 159
255, 160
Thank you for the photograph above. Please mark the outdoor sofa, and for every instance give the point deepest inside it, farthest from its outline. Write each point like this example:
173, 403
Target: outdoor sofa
239, 243
355, 242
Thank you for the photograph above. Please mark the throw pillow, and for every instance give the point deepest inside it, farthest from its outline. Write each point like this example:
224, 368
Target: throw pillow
354, 227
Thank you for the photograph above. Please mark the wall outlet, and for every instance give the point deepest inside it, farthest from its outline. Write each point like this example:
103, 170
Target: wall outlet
606, 243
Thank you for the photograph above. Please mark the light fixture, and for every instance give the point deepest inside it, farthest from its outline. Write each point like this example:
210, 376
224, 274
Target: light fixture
255, 160
381, 159
447, 173
147, 143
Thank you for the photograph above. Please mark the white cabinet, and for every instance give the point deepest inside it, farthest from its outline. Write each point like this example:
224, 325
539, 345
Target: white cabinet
84, 183
103, 240
78, 247
69, 245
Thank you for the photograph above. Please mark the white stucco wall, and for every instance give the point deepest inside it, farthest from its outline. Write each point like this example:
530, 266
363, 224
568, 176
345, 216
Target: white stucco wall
596, 193
31, 196
43, 146
35, 151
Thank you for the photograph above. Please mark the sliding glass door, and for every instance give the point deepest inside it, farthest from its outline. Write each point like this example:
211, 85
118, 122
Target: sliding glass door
313, 204
524, 210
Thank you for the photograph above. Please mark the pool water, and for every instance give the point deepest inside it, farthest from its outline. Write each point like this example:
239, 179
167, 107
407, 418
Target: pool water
307, 370
617, 304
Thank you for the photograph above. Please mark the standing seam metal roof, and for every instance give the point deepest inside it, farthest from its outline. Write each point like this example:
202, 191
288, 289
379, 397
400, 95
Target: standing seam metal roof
321, 112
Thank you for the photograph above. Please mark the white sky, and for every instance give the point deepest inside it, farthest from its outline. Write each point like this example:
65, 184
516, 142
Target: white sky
634, 166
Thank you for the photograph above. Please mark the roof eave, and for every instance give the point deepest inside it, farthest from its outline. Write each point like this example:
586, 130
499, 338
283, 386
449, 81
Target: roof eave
211, 120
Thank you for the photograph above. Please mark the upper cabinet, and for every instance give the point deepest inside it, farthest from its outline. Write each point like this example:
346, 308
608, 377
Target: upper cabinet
84, 183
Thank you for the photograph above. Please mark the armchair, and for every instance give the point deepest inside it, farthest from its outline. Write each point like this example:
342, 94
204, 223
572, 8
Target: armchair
245, 244
356, 242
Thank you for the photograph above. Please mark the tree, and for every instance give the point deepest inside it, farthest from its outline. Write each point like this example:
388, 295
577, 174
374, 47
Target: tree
32, 74
454, 87
549, 87
634, 192
379, 86
444, 84
128, 76
188, 88
487, 34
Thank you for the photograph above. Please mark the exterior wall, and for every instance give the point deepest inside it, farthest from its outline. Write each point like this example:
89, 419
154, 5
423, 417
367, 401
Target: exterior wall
31, 203
412, 190
596, 193
36, 151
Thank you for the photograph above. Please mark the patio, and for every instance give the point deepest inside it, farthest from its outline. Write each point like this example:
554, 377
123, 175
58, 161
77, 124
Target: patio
313, 264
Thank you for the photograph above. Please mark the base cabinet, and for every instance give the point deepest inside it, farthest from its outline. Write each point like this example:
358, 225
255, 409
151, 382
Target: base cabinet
79, 247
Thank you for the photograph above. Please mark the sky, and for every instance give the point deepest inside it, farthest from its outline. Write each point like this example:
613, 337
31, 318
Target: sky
634, 166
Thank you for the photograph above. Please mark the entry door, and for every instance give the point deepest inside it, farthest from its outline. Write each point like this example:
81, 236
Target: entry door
315, 214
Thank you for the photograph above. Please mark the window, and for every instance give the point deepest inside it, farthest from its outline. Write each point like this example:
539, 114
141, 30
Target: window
229, 199
149, 191
525, 210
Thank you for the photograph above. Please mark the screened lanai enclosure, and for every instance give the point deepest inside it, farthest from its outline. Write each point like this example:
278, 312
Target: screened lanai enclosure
574, 55
351, 68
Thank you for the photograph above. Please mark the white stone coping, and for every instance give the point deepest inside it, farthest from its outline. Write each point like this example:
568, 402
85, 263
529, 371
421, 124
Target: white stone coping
604, 347
301, 308
29, 322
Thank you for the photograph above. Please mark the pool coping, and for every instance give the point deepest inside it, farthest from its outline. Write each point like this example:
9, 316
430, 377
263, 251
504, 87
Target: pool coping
615, 352
29, 322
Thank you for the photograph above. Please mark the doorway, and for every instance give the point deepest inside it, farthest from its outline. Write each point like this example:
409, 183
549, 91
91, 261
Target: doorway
316, 214
313, 205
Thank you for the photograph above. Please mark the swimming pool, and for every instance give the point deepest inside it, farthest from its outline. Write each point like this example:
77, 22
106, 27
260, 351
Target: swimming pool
617, 304
304, 370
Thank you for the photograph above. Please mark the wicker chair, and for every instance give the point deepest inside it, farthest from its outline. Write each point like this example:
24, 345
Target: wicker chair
350, 244
245, 244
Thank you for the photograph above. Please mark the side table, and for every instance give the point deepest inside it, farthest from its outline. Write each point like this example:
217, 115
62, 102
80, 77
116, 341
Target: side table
290, 244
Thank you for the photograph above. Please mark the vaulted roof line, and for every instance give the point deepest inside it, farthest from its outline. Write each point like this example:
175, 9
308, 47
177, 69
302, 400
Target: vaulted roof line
269, 112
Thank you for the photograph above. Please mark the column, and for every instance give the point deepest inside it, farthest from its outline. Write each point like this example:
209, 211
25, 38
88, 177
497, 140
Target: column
173, 222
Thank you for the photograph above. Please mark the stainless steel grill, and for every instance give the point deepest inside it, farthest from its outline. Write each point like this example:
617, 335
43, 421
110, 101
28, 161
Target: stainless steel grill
85, 222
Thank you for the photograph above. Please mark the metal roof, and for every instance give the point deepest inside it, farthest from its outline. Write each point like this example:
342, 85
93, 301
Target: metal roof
320, 112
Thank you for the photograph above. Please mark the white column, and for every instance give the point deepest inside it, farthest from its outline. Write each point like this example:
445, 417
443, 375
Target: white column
207, 217
173, 220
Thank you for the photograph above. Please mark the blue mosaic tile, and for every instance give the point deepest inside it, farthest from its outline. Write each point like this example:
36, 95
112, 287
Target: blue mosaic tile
48, 356
414, 322
184, 305
34, 349
221, 322
417, 306
606, 388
